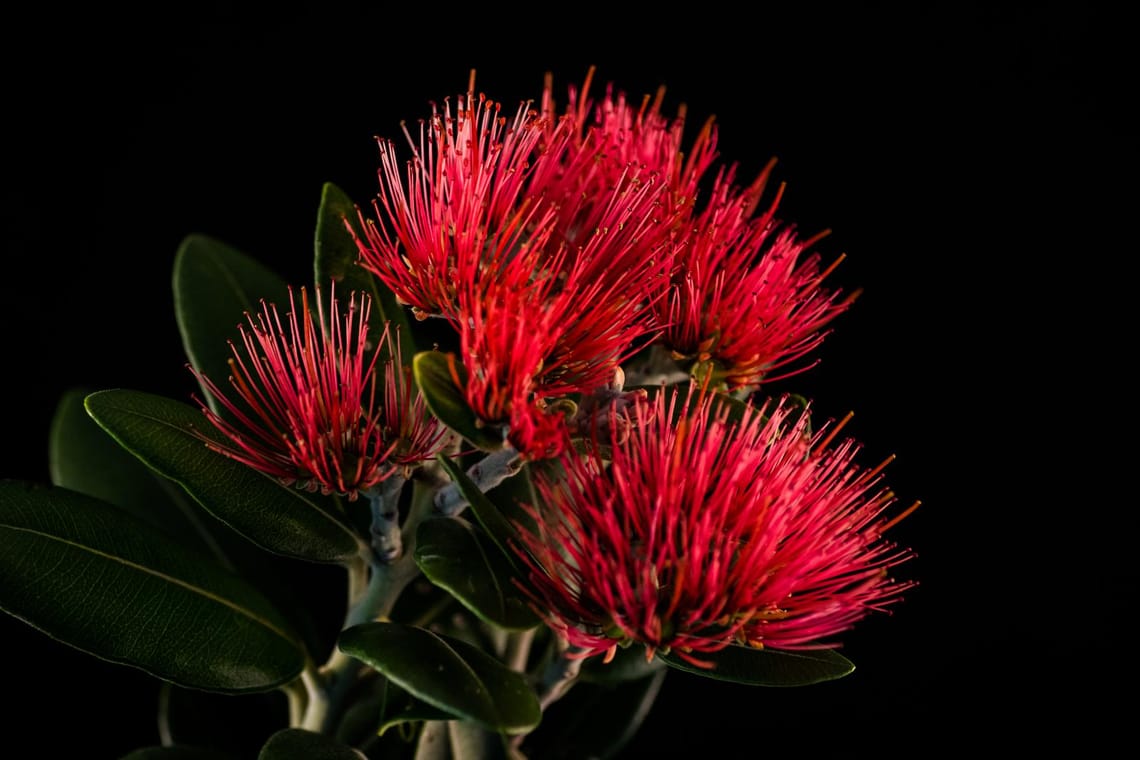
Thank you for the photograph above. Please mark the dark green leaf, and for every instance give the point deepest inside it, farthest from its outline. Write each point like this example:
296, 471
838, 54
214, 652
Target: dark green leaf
215, 285
299, 744
98, 579
382, 706
177, 752
336, 260
629, 664
463, 560
432, 371
490, 517
594, 720
412, 711
765, 667
281, 519
447, 673
83, 457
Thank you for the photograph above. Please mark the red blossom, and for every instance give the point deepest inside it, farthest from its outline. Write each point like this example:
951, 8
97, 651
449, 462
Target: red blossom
458, 204
307, 408
703, 532
746, 293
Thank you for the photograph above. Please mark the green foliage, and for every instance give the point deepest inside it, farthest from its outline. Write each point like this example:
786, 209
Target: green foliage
433, 373
336, 261
160, 432
98, 579
154, 550
456, 556
297, 743
765, 667
215, 286
447, 673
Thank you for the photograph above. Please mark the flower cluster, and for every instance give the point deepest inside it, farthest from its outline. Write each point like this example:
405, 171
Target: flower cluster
557, 246
697, 531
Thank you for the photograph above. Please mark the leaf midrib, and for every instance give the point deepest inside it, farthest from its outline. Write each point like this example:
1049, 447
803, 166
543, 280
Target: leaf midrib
162, 576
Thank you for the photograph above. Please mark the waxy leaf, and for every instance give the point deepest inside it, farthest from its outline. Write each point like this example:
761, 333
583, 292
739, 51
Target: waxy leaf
336, 261
276, 517
95, 577
215, 285
432, 371
83, 457
413, 711
766, 667
447, 673
384, 706
497, 526
457, 557
298, 744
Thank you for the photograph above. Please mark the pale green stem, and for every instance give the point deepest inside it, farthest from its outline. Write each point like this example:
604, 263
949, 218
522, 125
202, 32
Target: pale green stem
385, 503
295, 693
492, 470
518, 649
559, 675
385, 584
317, 706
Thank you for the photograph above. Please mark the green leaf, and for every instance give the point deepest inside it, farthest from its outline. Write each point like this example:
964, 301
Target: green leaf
281, 519
447, 673
299, 744
177, 752
336, 260
215, 285
765, 667
463, 560
445, 399
412, 711
83, 457
94, 577
490, 517
594, 720
384, 705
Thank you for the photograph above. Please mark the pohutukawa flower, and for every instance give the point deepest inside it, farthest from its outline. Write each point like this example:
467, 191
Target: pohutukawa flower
460, 202
532, 336
705, 532
306, 407
746, 293
611, 135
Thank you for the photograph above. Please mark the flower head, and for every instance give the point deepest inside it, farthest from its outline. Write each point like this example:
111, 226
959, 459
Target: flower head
459, 205
746, 294
703, 532
306, 407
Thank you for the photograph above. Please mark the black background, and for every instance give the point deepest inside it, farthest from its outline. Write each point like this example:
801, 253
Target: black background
975, 165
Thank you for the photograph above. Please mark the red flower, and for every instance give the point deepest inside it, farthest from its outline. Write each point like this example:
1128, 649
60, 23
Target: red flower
704, 532
307, 407
745, 294
460, 203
